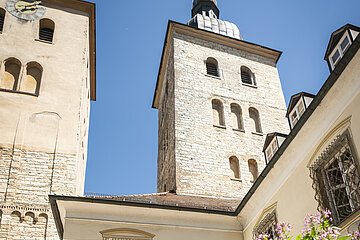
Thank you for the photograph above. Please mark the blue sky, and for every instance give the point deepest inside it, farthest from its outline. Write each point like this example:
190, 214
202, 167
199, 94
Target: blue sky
123, 127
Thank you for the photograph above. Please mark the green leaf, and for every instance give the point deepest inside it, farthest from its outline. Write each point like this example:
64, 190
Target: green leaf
344, 238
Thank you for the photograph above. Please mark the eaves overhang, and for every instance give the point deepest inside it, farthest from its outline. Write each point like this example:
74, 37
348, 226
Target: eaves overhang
88, 8
208, 36
329, 83
60, 225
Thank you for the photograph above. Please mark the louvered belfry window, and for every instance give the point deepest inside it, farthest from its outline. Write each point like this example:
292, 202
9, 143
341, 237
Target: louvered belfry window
212, 67
46, 34
2, 19
46, 31
336, 178
246, 76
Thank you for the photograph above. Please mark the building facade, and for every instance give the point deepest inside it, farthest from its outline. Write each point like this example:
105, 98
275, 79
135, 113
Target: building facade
47, 78
315, 166
216, 99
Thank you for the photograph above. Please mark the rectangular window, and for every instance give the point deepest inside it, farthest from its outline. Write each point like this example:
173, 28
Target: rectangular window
345, 44
272, 148
336, 179
335, 57
298, 111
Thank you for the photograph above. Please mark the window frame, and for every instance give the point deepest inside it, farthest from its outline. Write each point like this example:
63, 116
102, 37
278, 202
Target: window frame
339, 49
268, 222
272, 149
215, 63
251, 75
297, 111
324, 187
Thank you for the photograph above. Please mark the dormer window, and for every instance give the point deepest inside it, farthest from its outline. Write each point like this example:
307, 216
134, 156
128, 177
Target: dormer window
298, 104
340, 50
298, 111
271, 150
272, 144
339, 43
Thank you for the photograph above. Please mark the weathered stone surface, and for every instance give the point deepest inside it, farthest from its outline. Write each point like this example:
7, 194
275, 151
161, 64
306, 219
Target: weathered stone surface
193, 154
43, 137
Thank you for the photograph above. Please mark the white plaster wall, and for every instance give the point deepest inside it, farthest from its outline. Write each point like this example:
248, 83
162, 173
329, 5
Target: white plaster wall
288, 184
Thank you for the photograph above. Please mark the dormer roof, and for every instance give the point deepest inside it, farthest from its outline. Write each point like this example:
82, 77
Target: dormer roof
336, 36
270, 137
294, 100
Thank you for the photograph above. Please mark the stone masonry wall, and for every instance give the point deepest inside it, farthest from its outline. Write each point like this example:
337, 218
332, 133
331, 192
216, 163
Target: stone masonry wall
166, 157
202, 150
27, 178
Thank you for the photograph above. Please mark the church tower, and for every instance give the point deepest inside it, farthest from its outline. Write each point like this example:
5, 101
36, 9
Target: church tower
47, 79
217, 96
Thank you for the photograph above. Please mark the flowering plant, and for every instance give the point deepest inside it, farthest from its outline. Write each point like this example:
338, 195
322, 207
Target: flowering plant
316, 227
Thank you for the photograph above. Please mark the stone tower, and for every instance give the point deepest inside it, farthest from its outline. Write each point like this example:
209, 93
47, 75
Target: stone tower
47, 79
217, 96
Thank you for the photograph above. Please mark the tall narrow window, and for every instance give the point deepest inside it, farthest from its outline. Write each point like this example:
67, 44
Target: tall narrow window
212, 67
237, 120
2, 19
235, 167
11, 75
218, 112
46, 30
253, 168
254, 115
247, 76
31, 82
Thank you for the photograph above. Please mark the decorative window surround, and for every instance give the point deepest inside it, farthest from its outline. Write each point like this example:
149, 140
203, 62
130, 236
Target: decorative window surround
267, 225
336, 177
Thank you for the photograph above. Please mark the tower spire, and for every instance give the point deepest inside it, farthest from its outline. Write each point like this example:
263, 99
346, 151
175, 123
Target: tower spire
205, 7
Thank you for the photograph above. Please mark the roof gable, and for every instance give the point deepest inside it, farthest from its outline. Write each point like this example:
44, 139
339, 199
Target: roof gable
294, 100
336, 36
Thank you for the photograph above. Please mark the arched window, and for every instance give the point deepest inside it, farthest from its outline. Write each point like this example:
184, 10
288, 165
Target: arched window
11, 75
237, 121
254, 115
32, 79
235, 167
247, 76
46, 30
218, 112
253, 168
212, 67
2, 19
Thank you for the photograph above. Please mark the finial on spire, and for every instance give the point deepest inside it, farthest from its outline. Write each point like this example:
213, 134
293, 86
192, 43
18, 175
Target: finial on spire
205, 7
